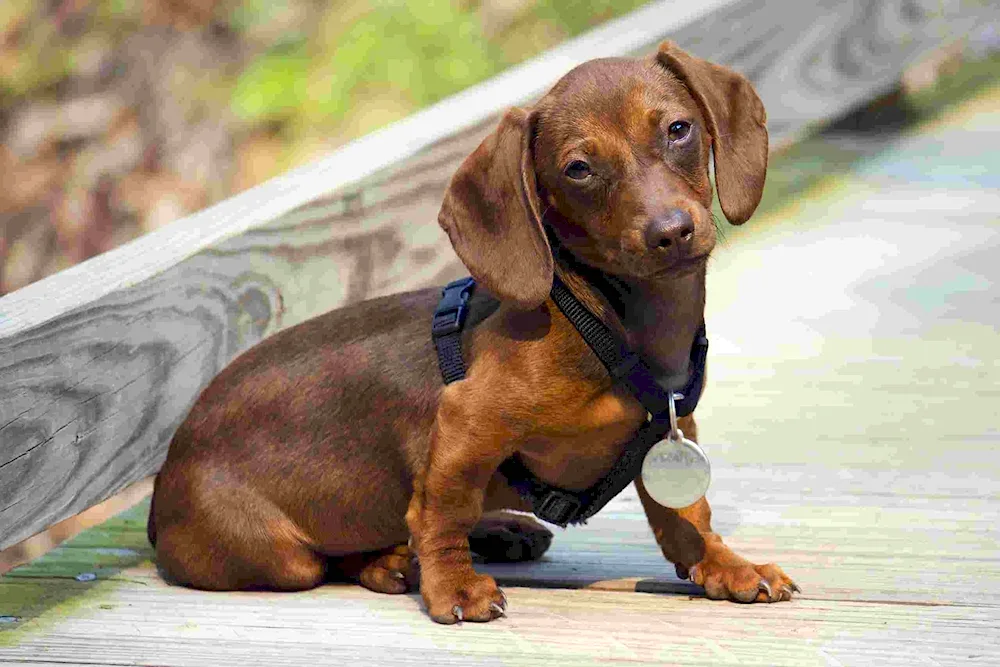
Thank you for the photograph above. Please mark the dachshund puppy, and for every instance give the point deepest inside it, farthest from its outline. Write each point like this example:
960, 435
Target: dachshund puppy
333, 448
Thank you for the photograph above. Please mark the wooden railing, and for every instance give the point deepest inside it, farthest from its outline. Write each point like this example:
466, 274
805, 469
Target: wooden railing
100, 363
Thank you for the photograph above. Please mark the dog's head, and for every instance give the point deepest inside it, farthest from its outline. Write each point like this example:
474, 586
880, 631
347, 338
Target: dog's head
615, 160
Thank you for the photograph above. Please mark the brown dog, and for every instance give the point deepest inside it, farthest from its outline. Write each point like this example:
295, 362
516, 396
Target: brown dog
328, 447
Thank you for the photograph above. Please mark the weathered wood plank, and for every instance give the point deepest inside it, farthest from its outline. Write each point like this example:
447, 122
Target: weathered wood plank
126, 622
99, 364
924, 586
860, 601
56, 534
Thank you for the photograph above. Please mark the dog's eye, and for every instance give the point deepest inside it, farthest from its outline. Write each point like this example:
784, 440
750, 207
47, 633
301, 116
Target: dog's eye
678, 130
578, 170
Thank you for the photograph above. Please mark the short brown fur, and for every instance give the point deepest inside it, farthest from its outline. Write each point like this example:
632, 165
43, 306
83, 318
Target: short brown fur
334, 450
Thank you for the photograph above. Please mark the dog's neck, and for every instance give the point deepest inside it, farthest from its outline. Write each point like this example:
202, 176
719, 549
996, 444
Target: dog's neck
658, 319
661, 319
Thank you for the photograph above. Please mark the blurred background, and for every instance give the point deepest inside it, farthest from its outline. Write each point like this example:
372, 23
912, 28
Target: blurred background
120, 116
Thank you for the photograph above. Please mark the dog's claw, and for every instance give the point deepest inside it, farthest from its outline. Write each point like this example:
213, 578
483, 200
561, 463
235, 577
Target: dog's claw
795, 588
498, 609
457, 611
503, 598
398, 575
766, 588
786, 593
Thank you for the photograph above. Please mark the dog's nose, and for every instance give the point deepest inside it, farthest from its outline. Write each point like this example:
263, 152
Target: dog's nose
673, 231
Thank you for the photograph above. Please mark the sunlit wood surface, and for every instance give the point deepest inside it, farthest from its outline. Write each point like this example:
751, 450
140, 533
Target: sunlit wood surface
852, 419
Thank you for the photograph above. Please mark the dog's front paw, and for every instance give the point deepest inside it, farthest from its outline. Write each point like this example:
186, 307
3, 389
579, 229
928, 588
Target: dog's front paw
726, 576
469, 597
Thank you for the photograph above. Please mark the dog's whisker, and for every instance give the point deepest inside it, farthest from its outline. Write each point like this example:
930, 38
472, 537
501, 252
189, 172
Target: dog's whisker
720, 229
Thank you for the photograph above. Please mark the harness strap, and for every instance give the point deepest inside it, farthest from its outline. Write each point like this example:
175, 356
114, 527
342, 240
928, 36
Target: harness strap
551, 503
626, 366
446, 328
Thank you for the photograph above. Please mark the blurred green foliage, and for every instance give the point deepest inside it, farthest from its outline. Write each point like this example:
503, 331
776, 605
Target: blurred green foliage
405, 54
416, 50
319, 72
274, 85
575, 16
40, 59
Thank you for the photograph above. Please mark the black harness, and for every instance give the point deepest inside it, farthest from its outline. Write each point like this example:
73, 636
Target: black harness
550, 503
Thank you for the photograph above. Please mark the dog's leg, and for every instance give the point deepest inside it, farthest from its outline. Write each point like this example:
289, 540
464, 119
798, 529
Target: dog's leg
686, 538
234, 539
388, 571
446, 504
505, 537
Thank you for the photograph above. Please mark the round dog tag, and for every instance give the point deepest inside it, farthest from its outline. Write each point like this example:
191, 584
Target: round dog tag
676, 471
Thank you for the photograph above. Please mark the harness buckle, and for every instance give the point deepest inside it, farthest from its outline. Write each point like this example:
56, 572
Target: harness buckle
557, 507
452, 309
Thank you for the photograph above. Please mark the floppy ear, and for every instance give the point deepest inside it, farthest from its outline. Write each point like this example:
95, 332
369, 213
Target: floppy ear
491, 214
737, 122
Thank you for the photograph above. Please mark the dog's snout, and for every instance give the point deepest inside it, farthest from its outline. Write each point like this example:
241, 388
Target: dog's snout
673, 230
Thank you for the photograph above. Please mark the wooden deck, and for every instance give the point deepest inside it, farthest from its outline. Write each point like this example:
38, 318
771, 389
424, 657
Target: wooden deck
853, 421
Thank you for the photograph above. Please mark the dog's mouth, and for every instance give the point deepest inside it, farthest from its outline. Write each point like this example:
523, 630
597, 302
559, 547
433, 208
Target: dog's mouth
642, 266
682, 267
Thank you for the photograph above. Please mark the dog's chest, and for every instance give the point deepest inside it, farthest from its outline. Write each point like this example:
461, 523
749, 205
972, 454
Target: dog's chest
583, 439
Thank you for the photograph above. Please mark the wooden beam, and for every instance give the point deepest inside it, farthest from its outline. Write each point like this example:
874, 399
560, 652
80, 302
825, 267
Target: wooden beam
100, 363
